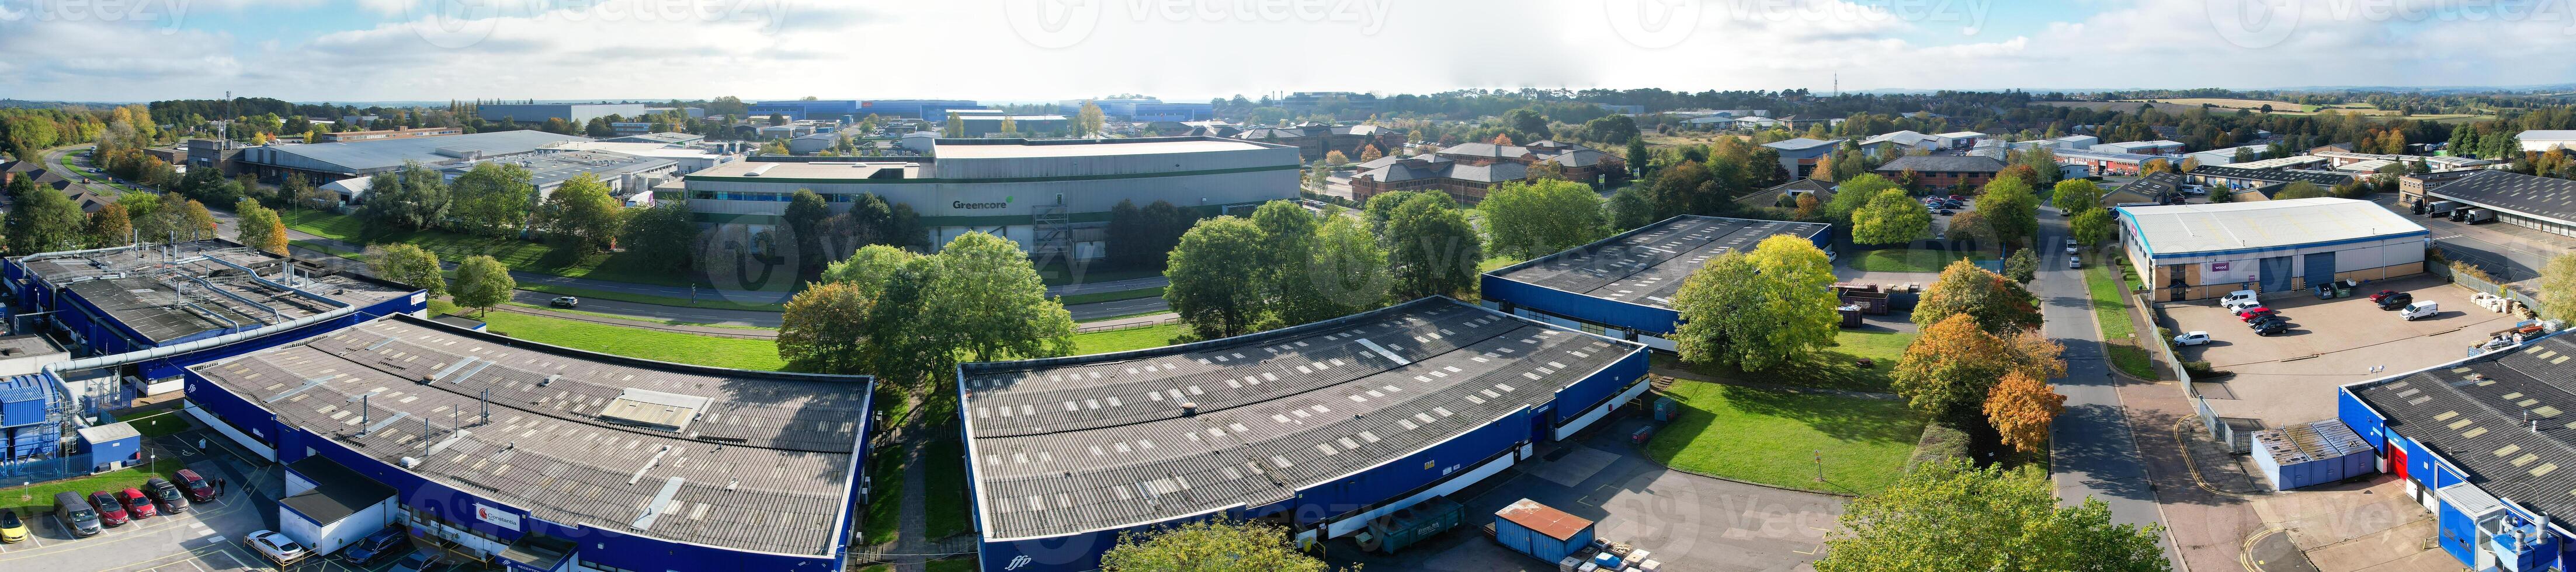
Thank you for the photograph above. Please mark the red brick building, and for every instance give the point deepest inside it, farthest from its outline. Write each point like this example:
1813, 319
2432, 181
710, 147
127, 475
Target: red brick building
1944, 172
1466, 171
1313, 140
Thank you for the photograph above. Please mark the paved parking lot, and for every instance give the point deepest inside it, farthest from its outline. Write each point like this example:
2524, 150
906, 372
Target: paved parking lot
2291, 378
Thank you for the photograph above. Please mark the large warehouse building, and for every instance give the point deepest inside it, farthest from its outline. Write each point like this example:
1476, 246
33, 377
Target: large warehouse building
1622, 286
323, 162
539, 458
123, 299
2207, 250
577, 113
1048, 195
2481, 444
2539, 203
1319, 427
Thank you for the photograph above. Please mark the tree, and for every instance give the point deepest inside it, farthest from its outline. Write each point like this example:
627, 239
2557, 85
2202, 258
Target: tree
259, 227
1951, 367
41, 219
1215, 545
1629, 209
1964, 288
1891, 218
2298, 190
481, 283
1216, 277
663, 236
2558, 288
1336, 158
2153, 166
2010, 210
1344, 272
1432, 247
2021, 407
1761, 309
1526, 219
493, 198
2077, 196
195, 222
410, 197
1090, 120
2022, 266
110, 227
992, 303
581, 215
805, 219
1855, 193
1950, 516
2094, 228
824, 328
406, 264
1370, 153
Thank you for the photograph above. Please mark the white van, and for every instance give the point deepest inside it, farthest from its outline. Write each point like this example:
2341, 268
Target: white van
2239, 299
2420, 310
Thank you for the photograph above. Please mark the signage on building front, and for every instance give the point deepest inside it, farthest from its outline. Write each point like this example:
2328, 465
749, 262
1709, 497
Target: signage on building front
2218, 267
496, 517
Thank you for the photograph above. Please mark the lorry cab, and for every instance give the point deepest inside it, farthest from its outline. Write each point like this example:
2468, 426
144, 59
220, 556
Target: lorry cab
2420, 310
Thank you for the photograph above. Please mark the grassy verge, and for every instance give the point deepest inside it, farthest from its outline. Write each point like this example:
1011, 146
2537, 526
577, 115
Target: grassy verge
885, 511
159, 423
649, 298
1834, 368
518, 254
1497, 263
2111, 309
35, 499
1774, 438
1124, 339
966, 564
1094, 297
648, 344
945, 499
1911, 260
635, 318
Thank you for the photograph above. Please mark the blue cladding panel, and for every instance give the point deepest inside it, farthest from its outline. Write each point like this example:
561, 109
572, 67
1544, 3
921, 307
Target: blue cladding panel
2361, 418
2458, 534
1642, 318
24, 399
237, 410
1579, 398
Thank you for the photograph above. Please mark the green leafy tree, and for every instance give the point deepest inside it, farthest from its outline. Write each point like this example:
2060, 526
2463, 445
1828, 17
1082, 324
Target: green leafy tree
1759, 310
493, 198
807, 216
1891, 218
195, 222
412, 197
2010, 210
992, 303
1953, 365
2558, 288
482, 282
824, 328
2094, 228
2022, 266
581, 215
110, 226
2298, 190
1090, 120
1344, 272
1432, 247
41, 219
663, 236
1215, 545
1852, 194
259, 227
1216, 277
1951, 516
1526, 219
1629, 209
2077, 196
1999, 303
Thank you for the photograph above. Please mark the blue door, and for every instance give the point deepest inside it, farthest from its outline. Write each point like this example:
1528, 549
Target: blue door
2276, 274
2321, 268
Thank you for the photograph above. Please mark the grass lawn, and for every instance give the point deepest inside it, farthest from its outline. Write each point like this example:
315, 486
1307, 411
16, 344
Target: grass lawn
2110, 307
952, 565
635, 318
38, 498
945, 497
1833, 369
521, 255
1124, 339
1087, 298
1911, 260
158, 424
648, 344
1497, 263
1774, 438
885, 514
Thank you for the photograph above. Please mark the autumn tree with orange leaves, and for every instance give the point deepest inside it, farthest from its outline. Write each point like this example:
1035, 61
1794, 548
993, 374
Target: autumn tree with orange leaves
1953, 366
2021, 407
2001, 305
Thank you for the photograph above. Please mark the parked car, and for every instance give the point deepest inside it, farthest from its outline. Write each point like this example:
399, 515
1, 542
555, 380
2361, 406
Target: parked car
383, 544
2397, 300
12, 528
275, 546
137, 505
1947, 212
2249, 314
2238, 300
110, 512
198, 489
2258, 323
417, 561
1957, 198
2192, 338
564, 302
75, 514
2420, 310
2073, 262
2272, 329
2383, 294
172, 501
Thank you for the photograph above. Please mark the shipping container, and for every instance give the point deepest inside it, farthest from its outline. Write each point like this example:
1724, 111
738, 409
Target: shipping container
1542, 532
1409, 525
2313, 454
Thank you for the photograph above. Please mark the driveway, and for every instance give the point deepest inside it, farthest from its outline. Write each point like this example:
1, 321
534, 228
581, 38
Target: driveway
1690, 522
2291, 378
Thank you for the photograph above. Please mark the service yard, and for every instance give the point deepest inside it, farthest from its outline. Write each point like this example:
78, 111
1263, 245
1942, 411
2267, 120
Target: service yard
2290, 378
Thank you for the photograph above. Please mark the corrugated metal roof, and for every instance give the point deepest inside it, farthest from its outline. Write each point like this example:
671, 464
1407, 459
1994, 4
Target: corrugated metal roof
364, 156
1646, 266
2502, 417
2184, 229
1543, 519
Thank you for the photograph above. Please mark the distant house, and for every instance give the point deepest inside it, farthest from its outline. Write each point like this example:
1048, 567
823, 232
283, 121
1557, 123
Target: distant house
1466, 171
1944, 172
1799, 156
1898, 143
1783, 194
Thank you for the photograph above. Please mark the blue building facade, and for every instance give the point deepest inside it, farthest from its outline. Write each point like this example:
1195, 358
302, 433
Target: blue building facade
1639, 319
2485, 475
1143, 110
853, 109
102, 333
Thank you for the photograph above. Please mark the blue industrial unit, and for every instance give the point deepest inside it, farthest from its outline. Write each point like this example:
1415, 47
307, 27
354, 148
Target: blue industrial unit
2316, 453
1324, 426
93, 296
111, 443
24, 399
41, 440
1622, 286
1541, 531
2475, 443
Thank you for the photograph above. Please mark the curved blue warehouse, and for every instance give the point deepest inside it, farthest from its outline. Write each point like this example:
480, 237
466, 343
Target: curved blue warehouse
1320, 427
544, 458
1623, 286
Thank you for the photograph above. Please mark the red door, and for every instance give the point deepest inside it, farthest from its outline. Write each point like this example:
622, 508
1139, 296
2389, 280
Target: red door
2396, 459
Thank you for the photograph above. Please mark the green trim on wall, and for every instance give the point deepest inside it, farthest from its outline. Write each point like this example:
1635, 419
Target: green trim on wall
713, 178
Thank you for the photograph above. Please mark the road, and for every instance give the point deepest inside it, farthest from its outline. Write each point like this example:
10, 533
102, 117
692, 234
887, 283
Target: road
2093, 452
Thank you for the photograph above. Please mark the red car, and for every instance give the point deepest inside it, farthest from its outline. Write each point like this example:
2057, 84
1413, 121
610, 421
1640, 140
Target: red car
137, 505
110, 512
199, 490
2255, 313
2382, 294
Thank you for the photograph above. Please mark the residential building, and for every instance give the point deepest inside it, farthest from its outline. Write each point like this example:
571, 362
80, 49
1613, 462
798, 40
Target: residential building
1467, 171
1799, 157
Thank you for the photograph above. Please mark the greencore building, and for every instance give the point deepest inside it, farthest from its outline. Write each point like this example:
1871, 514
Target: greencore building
1053, 197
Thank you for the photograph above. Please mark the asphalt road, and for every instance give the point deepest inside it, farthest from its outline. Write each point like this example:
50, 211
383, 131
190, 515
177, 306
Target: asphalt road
2093, 452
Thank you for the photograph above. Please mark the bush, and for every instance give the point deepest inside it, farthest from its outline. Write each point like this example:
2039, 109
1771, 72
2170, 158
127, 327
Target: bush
2201, 370
1942, 441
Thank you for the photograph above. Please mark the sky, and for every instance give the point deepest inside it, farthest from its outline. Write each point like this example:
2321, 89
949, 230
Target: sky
1190, 50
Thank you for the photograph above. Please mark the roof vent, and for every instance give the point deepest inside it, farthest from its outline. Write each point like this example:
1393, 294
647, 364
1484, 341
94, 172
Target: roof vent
1189, 408
409, 462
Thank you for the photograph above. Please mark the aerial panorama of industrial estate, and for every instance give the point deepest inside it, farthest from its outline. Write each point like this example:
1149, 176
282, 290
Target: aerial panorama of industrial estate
1287, 286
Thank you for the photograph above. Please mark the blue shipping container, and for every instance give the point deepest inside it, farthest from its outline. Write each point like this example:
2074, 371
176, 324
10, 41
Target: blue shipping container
2313, 454
1542, 532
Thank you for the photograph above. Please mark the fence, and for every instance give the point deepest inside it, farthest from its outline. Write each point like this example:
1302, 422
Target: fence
2473, 282
2218, 428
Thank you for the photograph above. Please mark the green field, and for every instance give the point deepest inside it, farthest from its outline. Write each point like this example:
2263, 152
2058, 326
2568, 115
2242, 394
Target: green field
36, 499
945, 483
1093, 297
158, 424
1774, 438
2110, 307
1910, 260
1124, 339
1834, 368
673, 347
